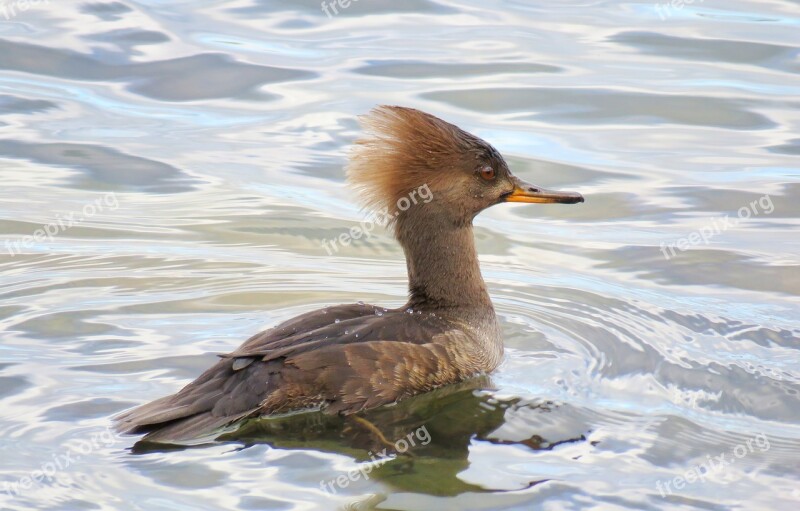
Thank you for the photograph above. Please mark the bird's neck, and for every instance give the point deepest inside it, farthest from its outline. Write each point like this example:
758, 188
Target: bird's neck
443, 268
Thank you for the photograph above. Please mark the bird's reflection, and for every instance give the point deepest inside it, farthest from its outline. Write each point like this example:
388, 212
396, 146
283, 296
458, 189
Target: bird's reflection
420, 444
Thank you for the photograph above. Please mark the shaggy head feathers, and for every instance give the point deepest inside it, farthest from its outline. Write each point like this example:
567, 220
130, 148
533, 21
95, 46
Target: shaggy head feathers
404, 149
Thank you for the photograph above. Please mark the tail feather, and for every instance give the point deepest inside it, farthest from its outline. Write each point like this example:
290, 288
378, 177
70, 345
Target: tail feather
195, 429
199, 410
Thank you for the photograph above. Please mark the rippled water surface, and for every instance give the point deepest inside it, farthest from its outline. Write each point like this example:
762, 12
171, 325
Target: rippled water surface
187, 157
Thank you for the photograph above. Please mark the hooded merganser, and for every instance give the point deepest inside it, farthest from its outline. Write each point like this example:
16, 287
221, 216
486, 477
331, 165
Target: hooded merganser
348, 358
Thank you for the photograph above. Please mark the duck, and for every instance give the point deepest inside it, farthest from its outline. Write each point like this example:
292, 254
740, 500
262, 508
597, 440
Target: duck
346, 359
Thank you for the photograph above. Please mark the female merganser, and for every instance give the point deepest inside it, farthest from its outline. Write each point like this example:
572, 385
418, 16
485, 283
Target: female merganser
348, 358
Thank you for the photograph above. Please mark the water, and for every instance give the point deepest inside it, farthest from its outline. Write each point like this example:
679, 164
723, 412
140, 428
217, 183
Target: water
187, 157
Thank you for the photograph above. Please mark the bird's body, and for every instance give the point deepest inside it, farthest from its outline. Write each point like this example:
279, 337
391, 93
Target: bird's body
348, 358
340, 359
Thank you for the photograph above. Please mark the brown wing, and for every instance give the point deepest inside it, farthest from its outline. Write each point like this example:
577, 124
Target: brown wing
352, 377
374, 325
359, 361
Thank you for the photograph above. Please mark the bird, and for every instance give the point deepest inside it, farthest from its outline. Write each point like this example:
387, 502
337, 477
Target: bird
345, 359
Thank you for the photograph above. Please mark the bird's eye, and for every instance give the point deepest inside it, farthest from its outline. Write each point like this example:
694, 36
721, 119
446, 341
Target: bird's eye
487, 173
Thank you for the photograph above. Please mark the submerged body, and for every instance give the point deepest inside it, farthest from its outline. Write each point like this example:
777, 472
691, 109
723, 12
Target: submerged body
348, 358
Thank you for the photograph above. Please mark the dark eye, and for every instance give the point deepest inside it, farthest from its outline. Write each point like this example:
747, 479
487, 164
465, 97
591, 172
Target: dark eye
487, 173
